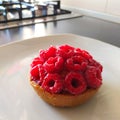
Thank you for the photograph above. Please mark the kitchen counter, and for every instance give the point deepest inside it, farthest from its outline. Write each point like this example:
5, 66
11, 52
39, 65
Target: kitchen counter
85, 26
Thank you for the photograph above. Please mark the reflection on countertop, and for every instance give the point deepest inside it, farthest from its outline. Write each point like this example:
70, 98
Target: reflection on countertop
85, 26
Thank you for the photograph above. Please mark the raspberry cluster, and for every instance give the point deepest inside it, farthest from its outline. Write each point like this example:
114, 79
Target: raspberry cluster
65, 69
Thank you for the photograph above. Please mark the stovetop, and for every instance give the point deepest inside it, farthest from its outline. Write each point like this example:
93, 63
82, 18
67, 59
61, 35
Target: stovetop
15, 11
13, 14
23, 10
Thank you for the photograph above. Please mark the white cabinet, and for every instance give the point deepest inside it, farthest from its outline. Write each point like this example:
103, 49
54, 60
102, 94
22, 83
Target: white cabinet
96, 5
113, 7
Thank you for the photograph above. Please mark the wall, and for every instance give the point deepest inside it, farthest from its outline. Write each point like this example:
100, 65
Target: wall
111, 7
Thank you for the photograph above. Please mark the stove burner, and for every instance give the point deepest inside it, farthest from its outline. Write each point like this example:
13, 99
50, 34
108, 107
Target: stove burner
16, 11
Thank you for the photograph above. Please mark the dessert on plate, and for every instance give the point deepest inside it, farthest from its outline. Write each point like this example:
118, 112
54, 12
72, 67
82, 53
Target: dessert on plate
65, 76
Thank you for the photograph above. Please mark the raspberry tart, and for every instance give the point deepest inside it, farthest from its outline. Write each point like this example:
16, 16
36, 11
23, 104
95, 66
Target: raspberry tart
65, 76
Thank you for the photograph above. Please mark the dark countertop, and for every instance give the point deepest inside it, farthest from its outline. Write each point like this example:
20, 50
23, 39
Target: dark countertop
85, 26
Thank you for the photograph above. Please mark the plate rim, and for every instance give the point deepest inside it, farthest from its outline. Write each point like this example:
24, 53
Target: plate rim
55, 35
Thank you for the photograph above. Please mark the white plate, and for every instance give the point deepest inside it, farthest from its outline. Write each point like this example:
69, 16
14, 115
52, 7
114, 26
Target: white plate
18, 101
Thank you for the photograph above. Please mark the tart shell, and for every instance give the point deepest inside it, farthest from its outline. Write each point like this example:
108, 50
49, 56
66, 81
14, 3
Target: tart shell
63, 100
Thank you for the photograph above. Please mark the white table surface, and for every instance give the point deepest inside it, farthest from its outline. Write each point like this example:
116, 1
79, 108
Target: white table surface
18, 101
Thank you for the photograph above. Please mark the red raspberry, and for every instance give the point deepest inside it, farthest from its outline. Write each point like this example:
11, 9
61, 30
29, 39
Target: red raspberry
54, 64
51, 52
75, 83
86, 55
42, 74
76, 63
77, 51
34, 72
82, 53
52, 83
65, 51
36, 61
45, 54
68, 63
93, 77
42, 55
96, 64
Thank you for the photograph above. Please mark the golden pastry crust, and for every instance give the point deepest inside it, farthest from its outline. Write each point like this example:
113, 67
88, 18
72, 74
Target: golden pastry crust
63, 100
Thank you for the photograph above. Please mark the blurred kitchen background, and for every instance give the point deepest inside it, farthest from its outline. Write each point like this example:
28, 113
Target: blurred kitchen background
22, 19
13, 10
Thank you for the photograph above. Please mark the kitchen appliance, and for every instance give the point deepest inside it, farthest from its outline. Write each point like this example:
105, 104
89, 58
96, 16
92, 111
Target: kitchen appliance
16, 10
